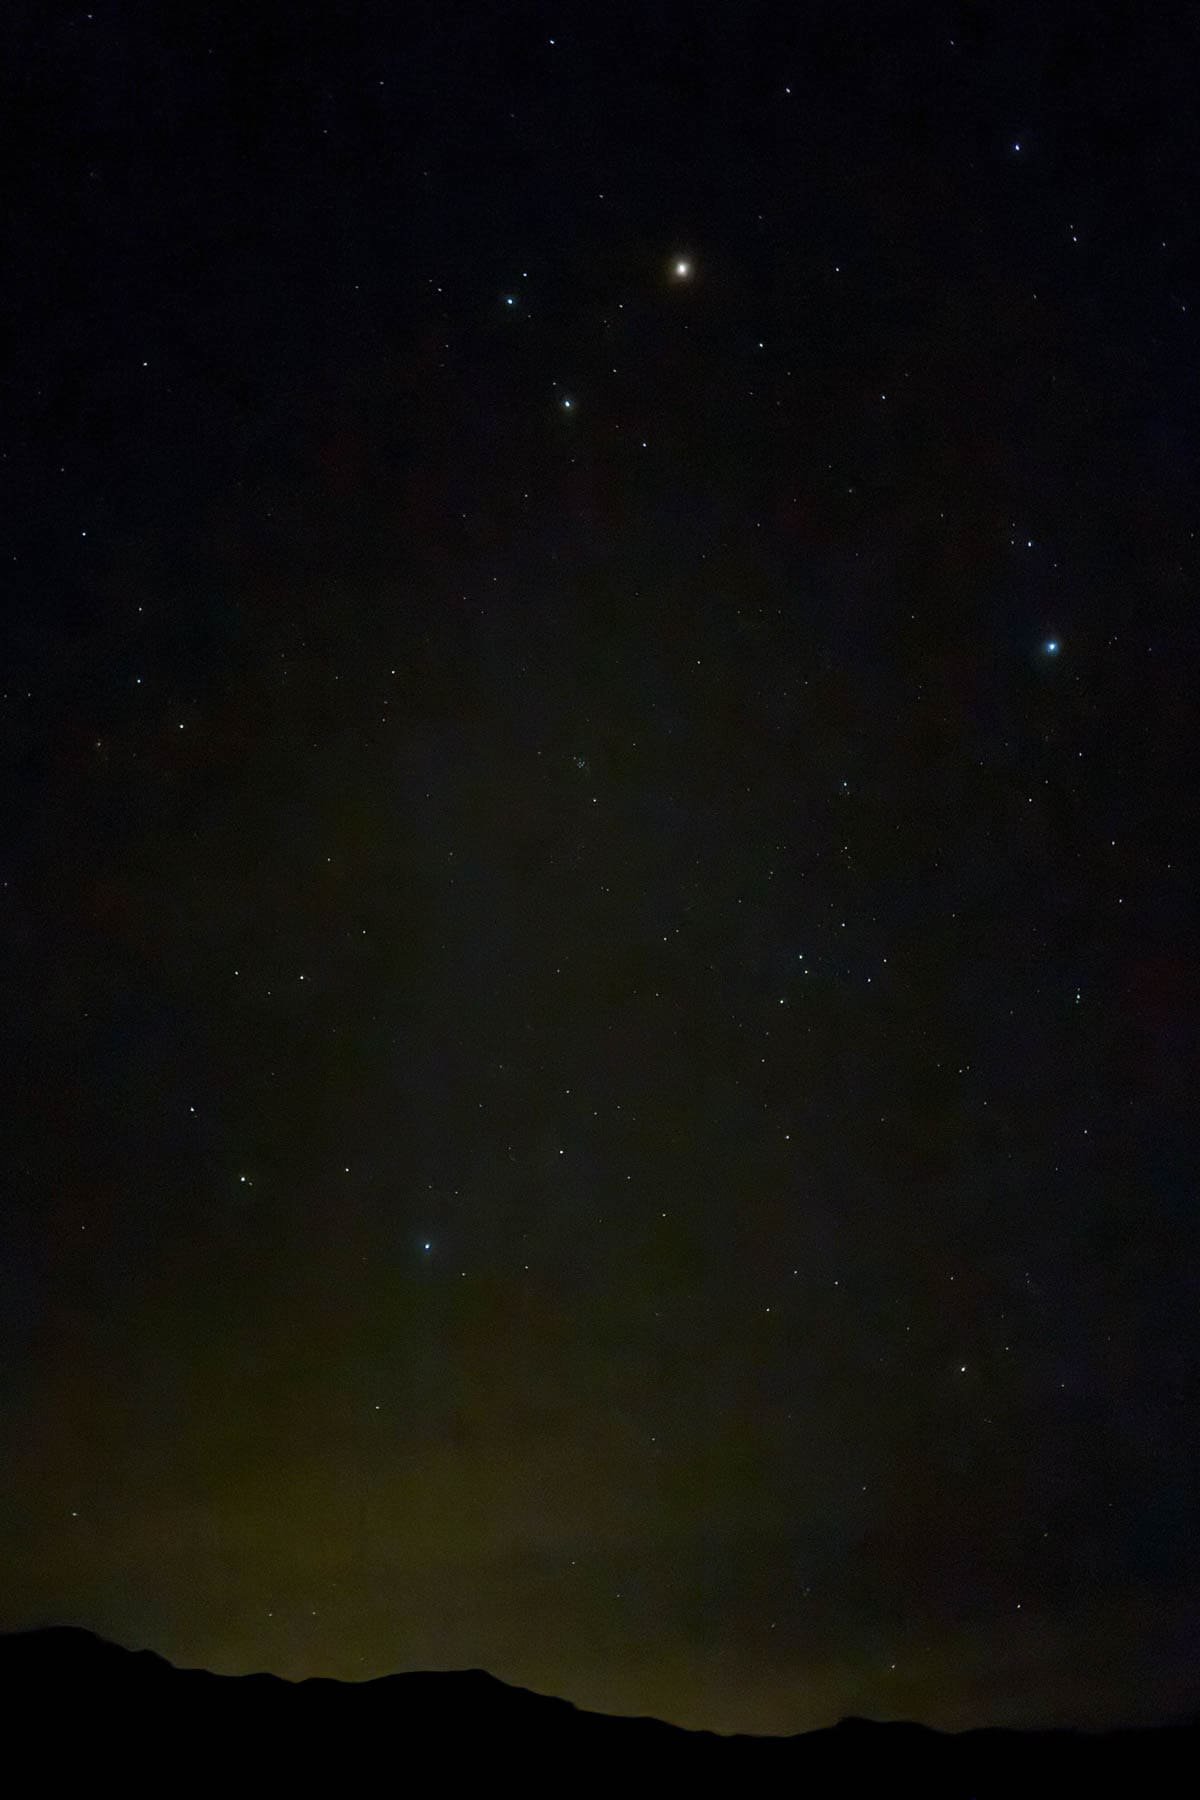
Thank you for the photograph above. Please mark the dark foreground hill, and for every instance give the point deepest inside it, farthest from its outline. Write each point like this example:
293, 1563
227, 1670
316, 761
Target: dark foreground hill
72, 1704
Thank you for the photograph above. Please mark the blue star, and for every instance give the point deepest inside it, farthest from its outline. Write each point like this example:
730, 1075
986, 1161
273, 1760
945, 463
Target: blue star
1051, 646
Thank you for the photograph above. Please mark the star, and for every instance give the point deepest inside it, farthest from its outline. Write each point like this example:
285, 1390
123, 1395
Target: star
1051, 647
681, 269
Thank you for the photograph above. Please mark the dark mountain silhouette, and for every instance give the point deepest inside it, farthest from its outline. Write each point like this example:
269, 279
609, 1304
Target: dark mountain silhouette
73, 1703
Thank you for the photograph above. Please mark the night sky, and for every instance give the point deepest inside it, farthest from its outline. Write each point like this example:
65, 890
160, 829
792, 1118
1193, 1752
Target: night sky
599, 654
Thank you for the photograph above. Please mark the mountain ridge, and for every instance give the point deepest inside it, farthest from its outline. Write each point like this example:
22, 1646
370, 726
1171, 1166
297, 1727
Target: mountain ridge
118, 1697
